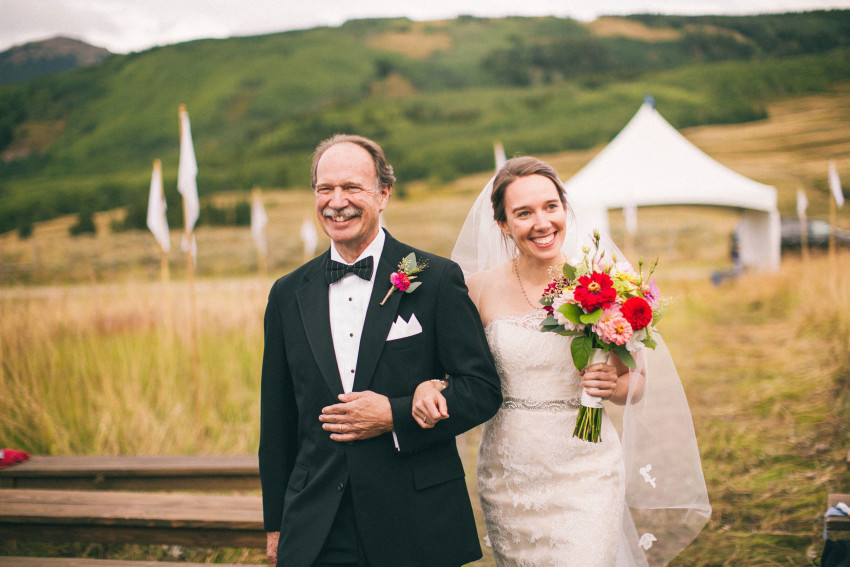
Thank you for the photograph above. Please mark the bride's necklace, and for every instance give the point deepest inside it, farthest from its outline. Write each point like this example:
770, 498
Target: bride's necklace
521, 286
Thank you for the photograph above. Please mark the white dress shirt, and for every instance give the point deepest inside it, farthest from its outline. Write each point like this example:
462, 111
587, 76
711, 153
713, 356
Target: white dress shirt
348, 299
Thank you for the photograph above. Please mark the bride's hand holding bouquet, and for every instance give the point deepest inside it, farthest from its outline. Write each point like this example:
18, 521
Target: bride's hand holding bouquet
606, 308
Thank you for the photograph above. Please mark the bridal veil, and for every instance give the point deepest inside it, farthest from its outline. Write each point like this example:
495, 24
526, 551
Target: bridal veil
666, 502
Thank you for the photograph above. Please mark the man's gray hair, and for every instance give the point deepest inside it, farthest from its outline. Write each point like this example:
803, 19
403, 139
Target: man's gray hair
386, 178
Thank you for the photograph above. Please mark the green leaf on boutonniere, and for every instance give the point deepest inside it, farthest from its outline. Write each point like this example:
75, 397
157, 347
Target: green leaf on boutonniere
412, 286
408, 264
580, 349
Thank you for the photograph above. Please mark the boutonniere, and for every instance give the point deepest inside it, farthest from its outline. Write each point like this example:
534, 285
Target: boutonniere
407, 270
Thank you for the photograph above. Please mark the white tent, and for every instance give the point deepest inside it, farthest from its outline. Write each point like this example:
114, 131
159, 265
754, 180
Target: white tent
650, 163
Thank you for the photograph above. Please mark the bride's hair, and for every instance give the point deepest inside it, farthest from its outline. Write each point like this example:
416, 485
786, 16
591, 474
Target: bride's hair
515, 168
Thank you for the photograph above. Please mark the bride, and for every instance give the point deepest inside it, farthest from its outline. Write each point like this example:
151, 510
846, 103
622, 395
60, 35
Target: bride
550, 499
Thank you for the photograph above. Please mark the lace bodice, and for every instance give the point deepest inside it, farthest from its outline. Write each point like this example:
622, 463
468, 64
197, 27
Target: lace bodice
532, 365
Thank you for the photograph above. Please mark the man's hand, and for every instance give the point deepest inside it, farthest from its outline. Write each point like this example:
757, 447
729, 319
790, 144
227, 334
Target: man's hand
271, 547
429, 405
361, 415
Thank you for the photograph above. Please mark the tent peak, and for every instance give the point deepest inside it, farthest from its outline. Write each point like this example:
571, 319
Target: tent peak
649, 100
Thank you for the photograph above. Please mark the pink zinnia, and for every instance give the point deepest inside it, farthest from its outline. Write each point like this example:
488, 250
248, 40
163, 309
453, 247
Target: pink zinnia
613, 327
400, 280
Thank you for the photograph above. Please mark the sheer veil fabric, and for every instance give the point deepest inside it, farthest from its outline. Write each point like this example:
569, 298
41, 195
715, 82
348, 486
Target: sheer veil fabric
666, 503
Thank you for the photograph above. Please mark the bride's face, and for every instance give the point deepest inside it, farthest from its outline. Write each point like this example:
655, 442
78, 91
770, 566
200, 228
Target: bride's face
535, 217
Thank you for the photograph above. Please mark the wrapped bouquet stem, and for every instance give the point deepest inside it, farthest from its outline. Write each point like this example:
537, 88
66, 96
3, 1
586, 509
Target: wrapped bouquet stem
589, 421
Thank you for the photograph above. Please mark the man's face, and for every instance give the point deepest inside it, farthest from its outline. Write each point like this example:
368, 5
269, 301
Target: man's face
348, 200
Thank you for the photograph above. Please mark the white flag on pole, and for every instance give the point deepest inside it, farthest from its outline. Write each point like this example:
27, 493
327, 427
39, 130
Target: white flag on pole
259, 220
310, 238
157, 221
499, 154
835, 184
187, 173
802, 204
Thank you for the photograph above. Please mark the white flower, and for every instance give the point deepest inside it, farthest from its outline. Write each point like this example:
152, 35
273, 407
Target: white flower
646, 540
565, 297
635, 342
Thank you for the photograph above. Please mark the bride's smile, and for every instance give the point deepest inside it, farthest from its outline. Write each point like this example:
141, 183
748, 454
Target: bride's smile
543, 241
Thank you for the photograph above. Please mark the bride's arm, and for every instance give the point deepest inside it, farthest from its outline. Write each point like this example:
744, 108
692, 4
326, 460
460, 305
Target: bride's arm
429, 404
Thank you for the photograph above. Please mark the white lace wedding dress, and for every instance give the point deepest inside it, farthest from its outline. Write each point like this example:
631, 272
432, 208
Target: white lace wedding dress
549, 499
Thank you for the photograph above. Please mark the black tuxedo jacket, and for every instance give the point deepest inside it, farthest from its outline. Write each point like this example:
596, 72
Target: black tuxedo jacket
411, 505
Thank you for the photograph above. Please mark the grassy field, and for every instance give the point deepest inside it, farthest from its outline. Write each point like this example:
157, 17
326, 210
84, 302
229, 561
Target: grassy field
102, 363
105, 369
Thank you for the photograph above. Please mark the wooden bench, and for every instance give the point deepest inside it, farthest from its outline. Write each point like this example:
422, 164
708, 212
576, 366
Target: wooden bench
81, 562
128, 517
837, 523
237, 472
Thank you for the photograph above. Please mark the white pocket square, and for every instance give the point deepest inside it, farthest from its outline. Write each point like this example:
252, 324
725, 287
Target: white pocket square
402, 329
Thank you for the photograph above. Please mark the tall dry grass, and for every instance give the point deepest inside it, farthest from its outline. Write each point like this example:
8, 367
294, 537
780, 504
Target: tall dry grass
108, 369
766, 365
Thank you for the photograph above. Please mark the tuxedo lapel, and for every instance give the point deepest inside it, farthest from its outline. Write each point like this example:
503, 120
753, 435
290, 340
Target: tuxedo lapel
313, 304
379, 318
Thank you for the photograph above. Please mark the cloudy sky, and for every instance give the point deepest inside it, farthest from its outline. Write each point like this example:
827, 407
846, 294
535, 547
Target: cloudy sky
123, 26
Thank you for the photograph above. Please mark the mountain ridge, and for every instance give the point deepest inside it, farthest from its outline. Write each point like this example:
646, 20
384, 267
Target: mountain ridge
38, 58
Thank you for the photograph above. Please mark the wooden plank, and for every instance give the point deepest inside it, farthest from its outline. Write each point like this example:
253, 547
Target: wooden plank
127, 517
838, 523
185, 472
83, 562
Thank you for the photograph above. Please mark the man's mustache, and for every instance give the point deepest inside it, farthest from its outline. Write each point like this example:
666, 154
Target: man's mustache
343, 214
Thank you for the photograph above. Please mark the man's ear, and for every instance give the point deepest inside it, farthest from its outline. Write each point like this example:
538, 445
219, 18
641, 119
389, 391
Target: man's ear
384, 194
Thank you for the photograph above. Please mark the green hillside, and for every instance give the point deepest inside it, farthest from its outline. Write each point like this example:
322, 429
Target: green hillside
435, 94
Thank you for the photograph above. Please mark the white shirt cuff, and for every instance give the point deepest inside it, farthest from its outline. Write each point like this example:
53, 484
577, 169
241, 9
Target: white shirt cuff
395, 442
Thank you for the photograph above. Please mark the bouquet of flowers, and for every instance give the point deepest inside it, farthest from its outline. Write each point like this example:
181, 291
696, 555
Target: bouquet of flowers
606, 307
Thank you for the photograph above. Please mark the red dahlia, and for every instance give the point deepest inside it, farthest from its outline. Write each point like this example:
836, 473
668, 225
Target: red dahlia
595, 290
637, 312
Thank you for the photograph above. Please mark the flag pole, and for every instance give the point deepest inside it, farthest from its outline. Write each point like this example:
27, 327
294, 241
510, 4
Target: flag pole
262, 250
833, 214
164, 268
190, 277
802, 205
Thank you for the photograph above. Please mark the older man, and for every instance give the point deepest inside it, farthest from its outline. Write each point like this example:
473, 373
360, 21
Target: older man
348, 476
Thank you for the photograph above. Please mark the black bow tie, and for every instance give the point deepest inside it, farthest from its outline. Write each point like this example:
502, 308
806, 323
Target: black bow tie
334, 271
